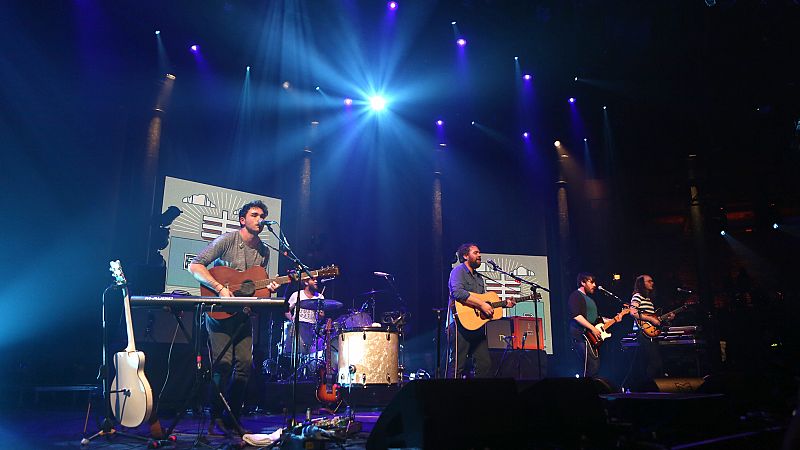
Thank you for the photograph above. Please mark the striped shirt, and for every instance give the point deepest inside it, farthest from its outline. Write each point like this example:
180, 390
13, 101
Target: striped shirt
643, 304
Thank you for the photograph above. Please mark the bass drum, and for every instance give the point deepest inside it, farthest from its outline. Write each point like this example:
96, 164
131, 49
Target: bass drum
369, 356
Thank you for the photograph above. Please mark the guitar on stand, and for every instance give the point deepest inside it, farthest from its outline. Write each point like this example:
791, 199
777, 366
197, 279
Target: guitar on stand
131, 396
328, 391
473, 318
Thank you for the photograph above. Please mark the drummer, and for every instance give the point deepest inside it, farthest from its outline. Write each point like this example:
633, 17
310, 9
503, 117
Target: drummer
308, 317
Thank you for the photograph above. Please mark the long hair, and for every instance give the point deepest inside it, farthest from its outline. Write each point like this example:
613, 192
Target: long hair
638, 286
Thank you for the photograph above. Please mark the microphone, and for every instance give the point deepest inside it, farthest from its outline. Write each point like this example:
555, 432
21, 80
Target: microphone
492, 263
268, 222
602, 289
684, 291
382, 274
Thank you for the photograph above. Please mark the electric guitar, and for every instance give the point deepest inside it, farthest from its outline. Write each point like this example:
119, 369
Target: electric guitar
130, 394
603, 326
328, 390
651, 330
253, 282
473, 318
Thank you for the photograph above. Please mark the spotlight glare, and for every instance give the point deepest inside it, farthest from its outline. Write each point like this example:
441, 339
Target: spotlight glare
392, 5
557, 144
194, 48
453, 22
440, 122
585, 140
527, 76
722, 233
516, 58
286, 85
473, 122
461, 42
348, 101
158, 32
572, 99
605, 107
525, 135
377, 103
316, 88
248, 68
170, 76
576, 78
775, 226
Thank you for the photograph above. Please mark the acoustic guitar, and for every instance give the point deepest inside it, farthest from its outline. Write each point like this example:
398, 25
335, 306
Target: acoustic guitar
328, 390
130, 394
603, 326
473, 318
253, 282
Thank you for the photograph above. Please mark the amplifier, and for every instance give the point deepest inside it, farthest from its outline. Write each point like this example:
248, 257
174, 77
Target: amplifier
514, 330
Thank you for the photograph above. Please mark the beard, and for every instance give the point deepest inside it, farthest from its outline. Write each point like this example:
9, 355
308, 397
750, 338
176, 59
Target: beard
474, 264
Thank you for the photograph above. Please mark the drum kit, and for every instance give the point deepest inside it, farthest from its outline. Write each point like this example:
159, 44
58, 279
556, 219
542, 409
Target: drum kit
365, 352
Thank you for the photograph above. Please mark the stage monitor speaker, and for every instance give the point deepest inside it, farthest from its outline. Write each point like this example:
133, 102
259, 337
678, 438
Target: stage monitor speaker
448, 414
496, 333
678, 384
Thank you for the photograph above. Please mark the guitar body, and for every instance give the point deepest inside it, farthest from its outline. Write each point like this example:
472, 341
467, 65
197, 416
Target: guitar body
245, 281
603, 327
327, 393
649, 329
131, 396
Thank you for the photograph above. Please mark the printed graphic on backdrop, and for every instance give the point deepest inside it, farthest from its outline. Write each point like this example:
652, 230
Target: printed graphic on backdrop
527, 267
206, 212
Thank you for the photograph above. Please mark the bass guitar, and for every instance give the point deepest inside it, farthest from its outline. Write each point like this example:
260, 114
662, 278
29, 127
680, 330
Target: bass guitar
130, 395
651, 330
473, 318
328, 390
253, 282
603, 326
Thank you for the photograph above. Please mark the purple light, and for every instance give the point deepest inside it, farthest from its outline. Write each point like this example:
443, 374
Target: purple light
194, 48
572, 99
527, 76
525, 135
348, 101
392, 5
461, 42
440, 122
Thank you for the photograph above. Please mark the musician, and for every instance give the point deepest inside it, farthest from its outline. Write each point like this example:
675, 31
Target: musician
464, 282
643, 310
308, 317
238, 250
583, 313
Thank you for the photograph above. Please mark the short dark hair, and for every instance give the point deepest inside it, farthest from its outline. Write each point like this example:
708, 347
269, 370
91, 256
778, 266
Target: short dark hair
248, 206
585, 276
463, 250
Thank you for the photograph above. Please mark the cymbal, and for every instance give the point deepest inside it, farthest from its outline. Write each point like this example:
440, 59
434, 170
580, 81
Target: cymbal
325, 304
372, 292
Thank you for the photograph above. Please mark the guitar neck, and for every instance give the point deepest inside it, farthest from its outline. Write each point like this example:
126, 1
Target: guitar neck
128, 322
281, 280
674, 311
503, 303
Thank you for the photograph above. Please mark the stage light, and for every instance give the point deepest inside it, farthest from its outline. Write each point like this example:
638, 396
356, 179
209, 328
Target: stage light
286, 85
442, 144
775, 226
392, 5
377, 103
525, 135
527, 76
440, 122
194, 48
158, 32
576, 78
722, 233
453, 22
473, 122
585, 140
516, 58
348, 101
461, 42
248, 68
604, 108
557, 144
616, 277
170, 76
316, 88
572, 99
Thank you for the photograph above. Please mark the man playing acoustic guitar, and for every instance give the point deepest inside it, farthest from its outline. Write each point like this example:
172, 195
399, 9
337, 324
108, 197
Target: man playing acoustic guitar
239, 250
465, 282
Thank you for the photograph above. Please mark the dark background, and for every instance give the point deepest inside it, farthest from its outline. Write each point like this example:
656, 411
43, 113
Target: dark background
79, 80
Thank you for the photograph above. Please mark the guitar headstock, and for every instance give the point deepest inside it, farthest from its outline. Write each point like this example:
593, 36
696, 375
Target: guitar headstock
116, 272
328, 271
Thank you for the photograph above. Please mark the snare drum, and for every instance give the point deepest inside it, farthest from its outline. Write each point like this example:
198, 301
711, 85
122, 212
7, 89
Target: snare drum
369, 356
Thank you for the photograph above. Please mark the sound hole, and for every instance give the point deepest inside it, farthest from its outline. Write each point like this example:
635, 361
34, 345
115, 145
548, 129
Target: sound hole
247, 289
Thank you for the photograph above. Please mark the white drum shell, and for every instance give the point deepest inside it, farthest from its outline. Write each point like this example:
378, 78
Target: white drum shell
373, 354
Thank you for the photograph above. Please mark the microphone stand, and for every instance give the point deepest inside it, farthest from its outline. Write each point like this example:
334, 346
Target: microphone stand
286, 250
401, 368
534, 286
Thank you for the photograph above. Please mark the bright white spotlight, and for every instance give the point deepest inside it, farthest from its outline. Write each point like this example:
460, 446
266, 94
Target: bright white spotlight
557, 143
377, 103
722, 233
775, 226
